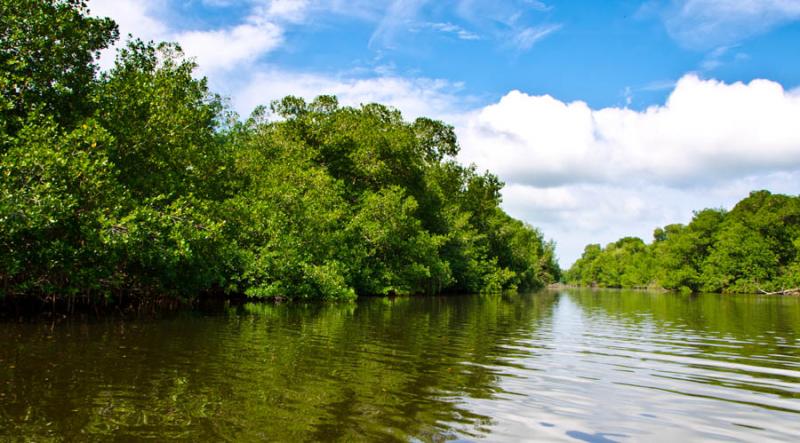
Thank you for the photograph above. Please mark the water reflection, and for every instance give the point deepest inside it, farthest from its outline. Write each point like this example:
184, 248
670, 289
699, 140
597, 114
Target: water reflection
574, 366
381, 369
616, 366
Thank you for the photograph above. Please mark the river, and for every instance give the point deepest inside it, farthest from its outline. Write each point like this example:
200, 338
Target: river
567, 365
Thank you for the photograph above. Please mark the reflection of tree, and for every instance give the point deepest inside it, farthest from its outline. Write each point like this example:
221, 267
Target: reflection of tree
380, 369
741, 316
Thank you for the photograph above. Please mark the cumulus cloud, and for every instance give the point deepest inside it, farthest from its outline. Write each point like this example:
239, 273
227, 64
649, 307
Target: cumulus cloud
707, 131
709, 23
588, 175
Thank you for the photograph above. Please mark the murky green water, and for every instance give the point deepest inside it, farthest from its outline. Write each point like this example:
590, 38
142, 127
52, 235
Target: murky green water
571, 366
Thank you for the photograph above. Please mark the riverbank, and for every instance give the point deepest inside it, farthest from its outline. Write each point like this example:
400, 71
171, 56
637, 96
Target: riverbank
558, 286
563, 286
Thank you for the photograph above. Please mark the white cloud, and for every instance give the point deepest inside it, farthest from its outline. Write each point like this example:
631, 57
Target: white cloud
414, 96
226, 49
397, 18
587, 175
215, 49
709, 23
713, 60
291, 10
527, 37
132, 17
706, 131
460, 32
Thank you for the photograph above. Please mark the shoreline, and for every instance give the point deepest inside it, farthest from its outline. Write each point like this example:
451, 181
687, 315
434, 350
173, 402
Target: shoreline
562, 286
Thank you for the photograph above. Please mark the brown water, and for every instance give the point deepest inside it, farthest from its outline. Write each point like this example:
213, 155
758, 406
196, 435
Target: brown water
567, 366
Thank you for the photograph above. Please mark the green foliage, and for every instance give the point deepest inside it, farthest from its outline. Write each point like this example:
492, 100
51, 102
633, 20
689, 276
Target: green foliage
58, 209
753, 247
622, 264
380, 197
47, 54
139, 182
740, 261
287, 219
165, 124
401, 257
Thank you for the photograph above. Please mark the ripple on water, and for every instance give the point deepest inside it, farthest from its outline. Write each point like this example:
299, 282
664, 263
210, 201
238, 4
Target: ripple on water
574, 366
601, 379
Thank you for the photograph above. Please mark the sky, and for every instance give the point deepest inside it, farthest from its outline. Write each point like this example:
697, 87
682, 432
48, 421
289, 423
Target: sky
605, 118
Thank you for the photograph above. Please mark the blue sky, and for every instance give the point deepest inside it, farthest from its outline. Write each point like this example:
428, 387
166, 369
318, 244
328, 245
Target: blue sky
602, 52
605, 118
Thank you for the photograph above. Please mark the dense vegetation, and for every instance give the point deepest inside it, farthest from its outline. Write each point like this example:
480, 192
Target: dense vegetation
753, 248
140, 182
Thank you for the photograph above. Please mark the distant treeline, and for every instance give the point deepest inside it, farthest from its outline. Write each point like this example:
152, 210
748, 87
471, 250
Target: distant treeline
753, 248
139, 182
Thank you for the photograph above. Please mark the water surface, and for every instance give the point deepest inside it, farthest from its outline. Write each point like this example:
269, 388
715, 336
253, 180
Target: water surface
561, 366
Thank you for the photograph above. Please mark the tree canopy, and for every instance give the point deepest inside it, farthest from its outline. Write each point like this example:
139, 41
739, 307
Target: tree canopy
755, 247
140, 182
